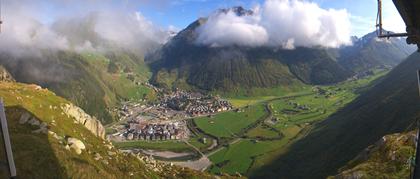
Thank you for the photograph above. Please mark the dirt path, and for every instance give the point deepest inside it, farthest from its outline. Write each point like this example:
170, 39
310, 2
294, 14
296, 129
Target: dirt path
166, 154
201, 164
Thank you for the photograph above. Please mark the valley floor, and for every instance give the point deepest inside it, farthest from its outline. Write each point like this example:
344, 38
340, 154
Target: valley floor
257, 130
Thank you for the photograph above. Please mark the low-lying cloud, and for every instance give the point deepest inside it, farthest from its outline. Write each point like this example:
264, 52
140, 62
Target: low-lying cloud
99, 28
278, 23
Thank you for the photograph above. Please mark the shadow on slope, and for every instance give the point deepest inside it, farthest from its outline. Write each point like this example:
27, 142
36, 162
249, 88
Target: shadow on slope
388, 107
33, 153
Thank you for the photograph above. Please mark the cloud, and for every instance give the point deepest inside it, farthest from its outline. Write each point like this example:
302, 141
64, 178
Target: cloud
278, 23
223, 29
27, 31
102, 30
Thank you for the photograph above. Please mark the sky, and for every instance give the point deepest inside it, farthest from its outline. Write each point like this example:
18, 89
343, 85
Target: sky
180, 13
177, 14
140, 25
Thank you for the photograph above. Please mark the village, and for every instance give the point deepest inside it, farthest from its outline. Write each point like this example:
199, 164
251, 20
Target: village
143, 130
166, 118
195, 104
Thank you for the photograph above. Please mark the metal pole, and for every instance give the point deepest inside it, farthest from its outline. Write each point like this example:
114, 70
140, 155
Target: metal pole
380, 16
6, 139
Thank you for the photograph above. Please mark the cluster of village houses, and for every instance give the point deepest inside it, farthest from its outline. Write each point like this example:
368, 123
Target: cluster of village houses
195, 103
298, 106
137, 130
165, 120
201, 108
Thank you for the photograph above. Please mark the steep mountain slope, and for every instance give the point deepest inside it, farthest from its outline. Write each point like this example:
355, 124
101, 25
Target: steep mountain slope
182, 62
388, 107
387, 158
47, 142
370, 52
93, 81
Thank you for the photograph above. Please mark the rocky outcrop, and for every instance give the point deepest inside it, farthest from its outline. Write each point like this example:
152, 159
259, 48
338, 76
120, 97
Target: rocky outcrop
5, 75
91, 123
27, 118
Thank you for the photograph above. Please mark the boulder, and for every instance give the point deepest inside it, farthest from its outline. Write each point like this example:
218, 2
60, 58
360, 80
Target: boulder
34, 121
91, 123
24, 118
110, 153
76, 144
98, 156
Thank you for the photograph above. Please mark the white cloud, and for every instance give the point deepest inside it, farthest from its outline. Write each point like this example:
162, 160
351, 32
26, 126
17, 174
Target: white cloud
23, 31
222, 29
285, 23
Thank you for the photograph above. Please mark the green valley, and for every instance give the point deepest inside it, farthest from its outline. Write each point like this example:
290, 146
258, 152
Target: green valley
252, 135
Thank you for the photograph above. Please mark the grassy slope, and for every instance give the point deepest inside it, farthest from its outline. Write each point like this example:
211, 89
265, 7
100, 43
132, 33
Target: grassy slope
388, 107
42, 156
84, 78
385, 159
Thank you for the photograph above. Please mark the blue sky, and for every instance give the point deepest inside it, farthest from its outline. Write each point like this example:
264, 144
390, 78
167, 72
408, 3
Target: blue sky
180, 13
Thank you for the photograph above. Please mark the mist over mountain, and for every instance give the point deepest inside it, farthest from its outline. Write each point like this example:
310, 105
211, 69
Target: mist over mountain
195, 57
233, 67
284, 24
71, 54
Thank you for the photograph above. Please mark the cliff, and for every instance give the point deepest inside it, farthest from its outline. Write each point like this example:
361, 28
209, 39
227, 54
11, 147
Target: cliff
91, 123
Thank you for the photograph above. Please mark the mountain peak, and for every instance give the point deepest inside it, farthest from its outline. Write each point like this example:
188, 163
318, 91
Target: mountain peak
238, 10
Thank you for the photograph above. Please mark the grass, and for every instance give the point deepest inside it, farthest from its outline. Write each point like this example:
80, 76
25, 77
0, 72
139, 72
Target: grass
228, 124
46, 154
263, 132
240, 101
196, 141
247, 156
175, 146
43, 156
239, 157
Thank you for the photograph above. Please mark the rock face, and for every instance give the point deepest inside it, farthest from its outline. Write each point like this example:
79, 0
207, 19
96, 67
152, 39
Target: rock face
91, 123
76, 144
5, 75
27, 118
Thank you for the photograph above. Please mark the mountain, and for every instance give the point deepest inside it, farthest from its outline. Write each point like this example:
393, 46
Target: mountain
49, 140
181, 61
371, 52
184, 63
94, 81
390, 106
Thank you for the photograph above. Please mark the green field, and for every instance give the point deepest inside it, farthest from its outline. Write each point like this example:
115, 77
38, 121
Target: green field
291, 116
228, 124
263, 131
197, 141
175, 146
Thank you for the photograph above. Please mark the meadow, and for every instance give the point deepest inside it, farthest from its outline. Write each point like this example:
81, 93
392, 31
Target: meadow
229, 124
290, 117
